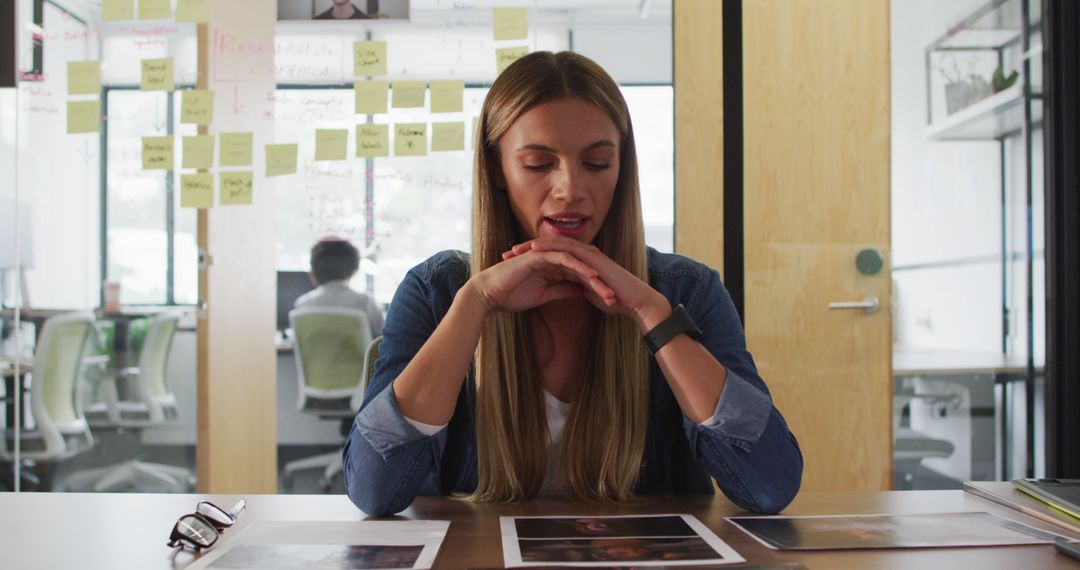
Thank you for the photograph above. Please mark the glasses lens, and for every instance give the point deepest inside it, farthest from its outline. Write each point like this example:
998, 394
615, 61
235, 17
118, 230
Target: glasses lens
196, 530
214, 514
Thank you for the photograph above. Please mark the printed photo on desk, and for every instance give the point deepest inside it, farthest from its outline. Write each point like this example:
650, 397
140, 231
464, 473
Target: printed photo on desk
331, 545
655, 540
841, 532
343, 9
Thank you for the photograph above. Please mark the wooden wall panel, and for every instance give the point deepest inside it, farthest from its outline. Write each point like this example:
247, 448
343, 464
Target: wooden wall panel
236, 449
699, 130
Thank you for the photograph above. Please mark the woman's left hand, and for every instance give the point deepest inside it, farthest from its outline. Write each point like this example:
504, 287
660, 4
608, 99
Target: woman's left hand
633, 297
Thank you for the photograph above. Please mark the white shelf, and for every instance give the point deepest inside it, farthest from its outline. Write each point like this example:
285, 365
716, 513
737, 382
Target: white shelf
989, 119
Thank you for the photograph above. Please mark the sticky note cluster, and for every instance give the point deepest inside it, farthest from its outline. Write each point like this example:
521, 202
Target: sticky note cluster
84, 114
187, 11
509, 24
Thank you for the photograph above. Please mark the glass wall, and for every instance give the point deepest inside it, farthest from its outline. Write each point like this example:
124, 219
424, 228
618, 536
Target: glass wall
967, 240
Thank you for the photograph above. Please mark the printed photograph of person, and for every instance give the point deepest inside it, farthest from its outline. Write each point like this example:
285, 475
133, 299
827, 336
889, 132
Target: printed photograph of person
343, 9
617, 550
585, 527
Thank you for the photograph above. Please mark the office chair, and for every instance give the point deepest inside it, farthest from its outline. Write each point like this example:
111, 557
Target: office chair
60, 429
330, 346
911, 447
335, 467
145, 401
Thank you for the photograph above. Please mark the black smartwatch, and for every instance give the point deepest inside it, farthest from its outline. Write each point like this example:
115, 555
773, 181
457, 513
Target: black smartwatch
679, 322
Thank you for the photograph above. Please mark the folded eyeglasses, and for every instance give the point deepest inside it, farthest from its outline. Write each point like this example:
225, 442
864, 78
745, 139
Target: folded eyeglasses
202, 528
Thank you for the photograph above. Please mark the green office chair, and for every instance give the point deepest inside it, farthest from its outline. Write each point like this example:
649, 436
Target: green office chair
330, 347
145, 401
60, 429
335, 467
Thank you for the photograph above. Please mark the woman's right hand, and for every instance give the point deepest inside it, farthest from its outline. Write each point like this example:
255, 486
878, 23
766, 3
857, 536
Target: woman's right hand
536, 278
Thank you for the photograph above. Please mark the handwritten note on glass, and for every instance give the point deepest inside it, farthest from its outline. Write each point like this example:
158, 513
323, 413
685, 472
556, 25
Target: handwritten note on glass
84, 77
410, 139
117, 10
505, 56
157, 75
511, 23
372, 140
155, 9
236, 188
331, 144
235, 149
193, 11
197, 190
369, 58
196, 107
157, 153
280, 159
83, 117
371, 96
408, 94
448, 136
447, 96
198, 152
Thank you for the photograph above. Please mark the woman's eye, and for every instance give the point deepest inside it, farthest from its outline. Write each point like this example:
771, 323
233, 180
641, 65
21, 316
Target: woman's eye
538, 167
597, 165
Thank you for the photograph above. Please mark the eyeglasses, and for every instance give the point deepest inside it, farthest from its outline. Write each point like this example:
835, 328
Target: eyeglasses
201, 528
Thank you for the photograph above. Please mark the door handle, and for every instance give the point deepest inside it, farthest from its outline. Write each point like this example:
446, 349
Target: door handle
869, 305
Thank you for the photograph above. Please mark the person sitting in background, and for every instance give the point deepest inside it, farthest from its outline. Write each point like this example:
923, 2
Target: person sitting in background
333, 262
343, 10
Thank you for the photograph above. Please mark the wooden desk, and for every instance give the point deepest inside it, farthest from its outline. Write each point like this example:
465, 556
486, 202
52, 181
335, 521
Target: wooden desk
108, 531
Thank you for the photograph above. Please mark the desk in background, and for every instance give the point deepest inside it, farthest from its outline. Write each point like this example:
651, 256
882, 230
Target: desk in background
108, 531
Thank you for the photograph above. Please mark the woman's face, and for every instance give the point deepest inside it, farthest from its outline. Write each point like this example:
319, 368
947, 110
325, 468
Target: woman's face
560, 164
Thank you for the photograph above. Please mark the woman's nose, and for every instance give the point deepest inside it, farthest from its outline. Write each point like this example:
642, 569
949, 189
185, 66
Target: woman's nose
567, 185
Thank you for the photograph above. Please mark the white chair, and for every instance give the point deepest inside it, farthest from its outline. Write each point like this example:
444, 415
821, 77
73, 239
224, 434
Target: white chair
150, 403
60, 429
330, 345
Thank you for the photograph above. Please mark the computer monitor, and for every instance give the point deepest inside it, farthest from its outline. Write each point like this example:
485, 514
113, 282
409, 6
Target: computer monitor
290, 286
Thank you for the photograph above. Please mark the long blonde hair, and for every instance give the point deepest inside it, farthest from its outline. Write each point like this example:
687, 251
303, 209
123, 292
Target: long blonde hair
604, 437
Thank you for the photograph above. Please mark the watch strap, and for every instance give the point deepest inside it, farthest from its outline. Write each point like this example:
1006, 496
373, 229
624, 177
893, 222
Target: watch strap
677, 323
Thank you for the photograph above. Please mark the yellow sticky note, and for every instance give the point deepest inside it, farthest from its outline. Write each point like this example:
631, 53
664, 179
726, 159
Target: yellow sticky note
371, 96
157, 153
84, 77
116, 10
475, 128
505, 56
196, 106
369, 58
157, 75
236, 188
83, 117
280, 159
198, 152
511, 23
331, 144
235, 149
372, 140
193, 11
410, 139
155, 9
408, 94
197, 190
447, 96
448, 136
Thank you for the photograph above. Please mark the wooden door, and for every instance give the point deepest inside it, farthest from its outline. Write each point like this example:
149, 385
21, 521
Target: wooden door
817, 129
816, 118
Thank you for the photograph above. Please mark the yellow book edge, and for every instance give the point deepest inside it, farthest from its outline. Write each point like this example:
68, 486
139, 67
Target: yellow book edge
1044, 500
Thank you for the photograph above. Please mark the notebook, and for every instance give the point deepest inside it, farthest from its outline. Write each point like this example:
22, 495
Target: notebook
1062, 494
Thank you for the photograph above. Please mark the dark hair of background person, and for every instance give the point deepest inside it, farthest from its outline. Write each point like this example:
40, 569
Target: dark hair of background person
333, 259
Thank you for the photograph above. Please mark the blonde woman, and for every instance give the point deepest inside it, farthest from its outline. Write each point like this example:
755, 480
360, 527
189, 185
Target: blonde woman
565, 357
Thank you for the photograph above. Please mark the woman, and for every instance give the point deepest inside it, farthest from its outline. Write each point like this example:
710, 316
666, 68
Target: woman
523, 371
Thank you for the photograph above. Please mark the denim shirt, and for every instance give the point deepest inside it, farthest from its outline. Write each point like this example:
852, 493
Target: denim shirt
746, 446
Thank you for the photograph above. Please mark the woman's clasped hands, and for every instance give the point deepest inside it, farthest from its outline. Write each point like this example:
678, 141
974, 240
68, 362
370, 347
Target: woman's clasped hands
547, 269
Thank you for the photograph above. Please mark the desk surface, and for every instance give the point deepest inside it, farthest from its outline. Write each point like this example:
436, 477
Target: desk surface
66, 530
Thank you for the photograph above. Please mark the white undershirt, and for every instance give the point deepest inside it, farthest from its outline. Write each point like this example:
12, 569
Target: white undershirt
557, 412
